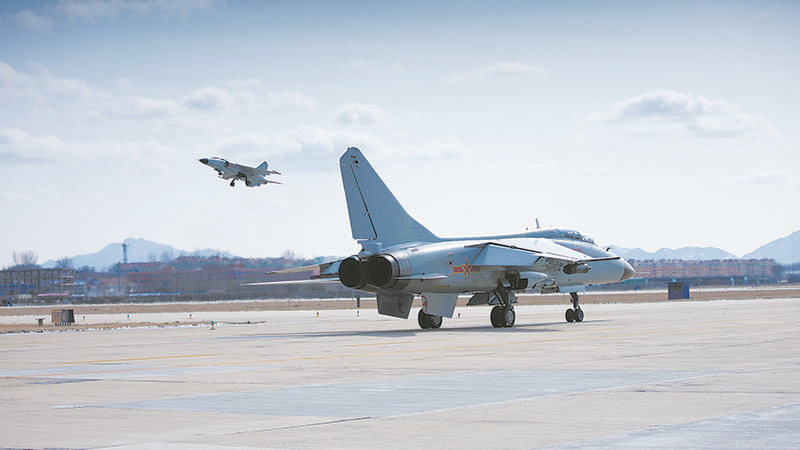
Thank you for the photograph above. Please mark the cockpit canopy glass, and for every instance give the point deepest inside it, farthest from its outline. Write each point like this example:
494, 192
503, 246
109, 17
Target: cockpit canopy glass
572, 234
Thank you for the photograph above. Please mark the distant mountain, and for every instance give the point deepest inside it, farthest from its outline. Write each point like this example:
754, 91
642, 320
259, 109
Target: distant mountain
139, 250
693, 253
785, 250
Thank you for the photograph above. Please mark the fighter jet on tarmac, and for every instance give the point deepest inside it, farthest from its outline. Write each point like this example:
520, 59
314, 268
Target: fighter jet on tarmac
252, 176
400, 259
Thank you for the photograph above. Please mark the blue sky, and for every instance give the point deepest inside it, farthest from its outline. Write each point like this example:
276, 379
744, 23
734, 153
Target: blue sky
642, 124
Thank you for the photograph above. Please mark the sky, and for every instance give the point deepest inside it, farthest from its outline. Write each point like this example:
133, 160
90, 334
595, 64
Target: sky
640, 124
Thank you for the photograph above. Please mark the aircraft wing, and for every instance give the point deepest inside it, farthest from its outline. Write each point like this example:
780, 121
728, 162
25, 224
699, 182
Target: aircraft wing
225, 174
527, 253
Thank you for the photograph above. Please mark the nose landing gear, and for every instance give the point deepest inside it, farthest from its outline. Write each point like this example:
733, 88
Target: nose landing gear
233, 183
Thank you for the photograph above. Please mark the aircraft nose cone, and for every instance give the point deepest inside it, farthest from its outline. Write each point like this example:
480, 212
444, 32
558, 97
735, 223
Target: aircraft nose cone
627, 271
204, 160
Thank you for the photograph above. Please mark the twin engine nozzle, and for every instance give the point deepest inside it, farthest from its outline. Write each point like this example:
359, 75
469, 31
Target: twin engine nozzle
380, 271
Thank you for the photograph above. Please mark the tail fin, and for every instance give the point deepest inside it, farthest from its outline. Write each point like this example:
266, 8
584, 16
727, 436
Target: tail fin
263, 166
375, 214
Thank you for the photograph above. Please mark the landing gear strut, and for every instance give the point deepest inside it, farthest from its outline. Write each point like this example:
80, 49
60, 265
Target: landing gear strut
574, 314
503, 315
428, 321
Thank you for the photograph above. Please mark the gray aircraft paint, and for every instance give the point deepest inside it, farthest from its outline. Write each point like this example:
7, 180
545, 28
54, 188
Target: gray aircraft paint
252, 176
400, 258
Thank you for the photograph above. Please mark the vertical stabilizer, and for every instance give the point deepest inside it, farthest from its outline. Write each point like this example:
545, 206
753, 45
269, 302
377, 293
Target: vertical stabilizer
375, 214
263, 166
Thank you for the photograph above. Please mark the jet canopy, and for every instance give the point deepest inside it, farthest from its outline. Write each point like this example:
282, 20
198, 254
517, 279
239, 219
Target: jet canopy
575, 235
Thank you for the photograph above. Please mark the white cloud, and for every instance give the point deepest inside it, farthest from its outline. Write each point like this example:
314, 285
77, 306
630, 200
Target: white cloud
375, 66
499, 70
135, 107
359, 113
248, 84
40, 85
769, 178
292, 100
694, 114
123, 84
208, 98
96, 10
303, 141
31, 20
18, 145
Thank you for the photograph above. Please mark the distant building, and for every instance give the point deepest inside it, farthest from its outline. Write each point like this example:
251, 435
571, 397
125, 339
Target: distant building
752, 269
37, 282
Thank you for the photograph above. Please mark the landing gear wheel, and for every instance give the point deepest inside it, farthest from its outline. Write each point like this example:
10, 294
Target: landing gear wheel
233, 183
509, 317
423, 321
428, 321
495, 316
578, 315
570, 315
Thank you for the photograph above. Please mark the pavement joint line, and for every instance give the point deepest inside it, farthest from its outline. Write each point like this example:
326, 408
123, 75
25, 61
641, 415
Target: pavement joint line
393, 343
137, 359
290, 427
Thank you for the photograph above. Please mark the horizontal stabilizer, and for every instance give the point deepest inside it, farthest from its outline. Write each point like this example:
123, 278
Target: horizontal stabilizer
327, 268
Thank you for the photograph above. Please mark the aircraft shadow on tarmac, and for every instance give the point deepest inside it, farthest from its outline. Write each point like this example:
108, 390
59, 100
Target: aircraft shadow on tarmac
519, 328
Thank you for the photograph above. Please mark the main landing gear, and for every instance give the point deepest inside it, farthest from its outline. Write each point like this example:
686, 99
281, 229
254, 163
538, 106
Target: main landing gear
503, 315
574, 314
428, 321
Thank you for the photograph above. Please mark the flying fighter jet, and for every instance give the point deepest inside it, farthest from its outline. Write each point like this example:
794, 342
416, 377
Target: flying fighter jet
400, 259
252, 176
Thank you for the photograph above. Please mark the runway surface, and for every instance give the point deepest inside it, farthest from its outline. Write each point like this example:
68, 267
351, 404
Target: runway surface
717, 374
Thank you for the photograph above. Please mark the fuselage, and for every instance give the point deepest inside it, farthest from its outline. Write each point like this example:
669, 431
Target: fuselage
456, 265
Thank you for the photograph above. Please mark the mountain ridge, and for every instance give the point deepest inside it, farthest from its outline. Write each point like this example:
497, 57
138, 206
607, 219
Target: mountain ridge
784, 250
683, 253
139, 250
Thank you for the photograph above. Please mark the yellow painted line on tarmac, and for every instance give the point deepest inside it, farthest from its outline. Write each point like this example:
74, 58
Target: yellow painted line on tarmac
147, 358
394, 343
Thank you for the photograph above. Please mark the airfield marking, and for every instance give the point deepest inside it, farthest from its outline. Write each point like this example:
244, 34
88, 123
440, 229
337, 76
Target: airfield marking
394, 343
137, 359
354, 355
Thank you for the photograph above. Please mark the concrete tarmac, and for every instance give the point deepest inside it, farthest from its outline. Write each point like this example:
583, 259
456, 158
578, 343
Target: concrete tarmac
715, 374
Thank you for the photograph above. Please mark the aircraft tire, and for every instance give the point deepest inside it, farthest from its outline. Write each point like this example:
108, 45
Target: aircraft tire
435, 321
494, 317
570, 315
423, 320
509, 317
578, 315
